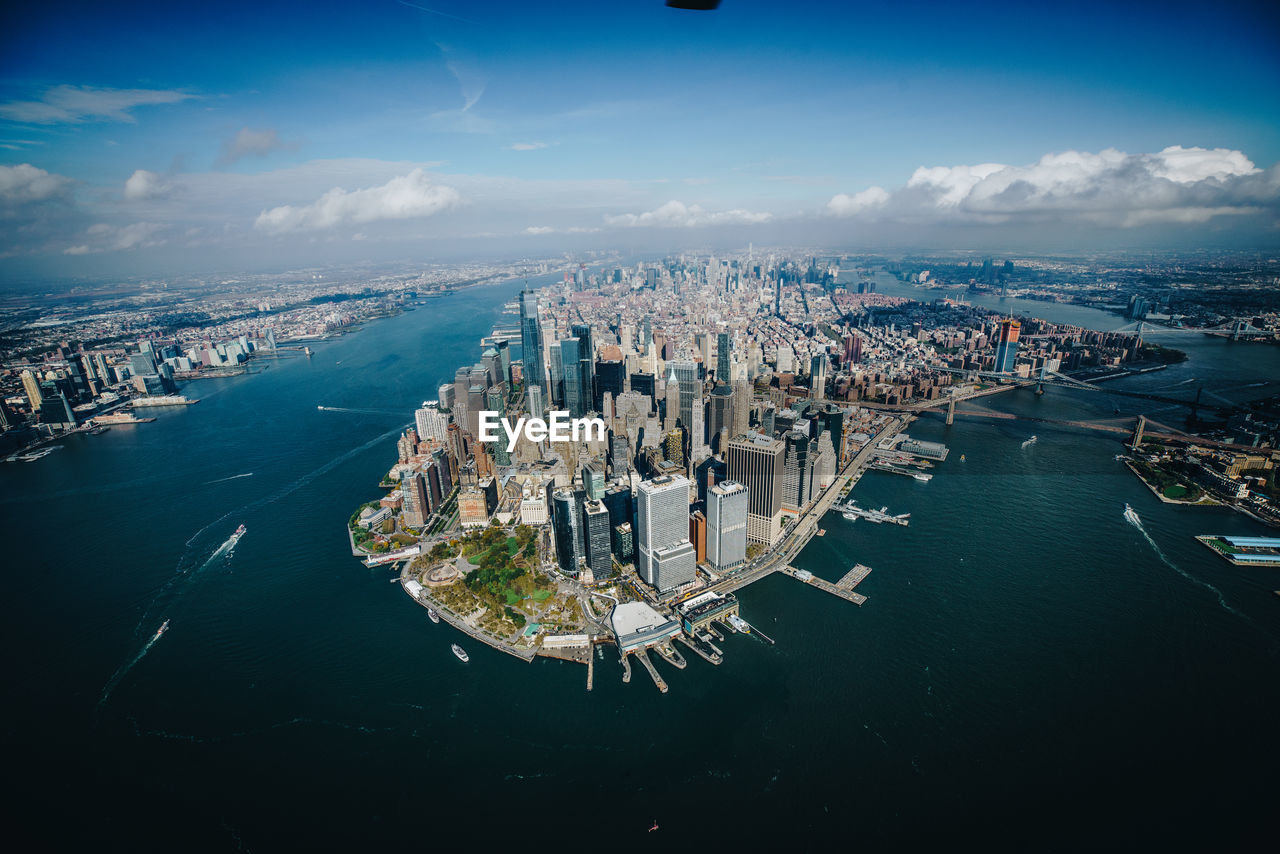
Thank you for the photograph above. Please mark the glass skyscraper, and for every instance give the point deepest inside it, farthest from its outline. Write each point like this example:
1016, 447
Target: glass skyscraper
535, 373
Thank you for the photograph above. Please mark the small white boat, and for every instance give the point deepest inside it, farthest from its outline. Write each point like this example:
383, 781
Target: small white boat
431, 612
1131, 516
1030, 441
461, 653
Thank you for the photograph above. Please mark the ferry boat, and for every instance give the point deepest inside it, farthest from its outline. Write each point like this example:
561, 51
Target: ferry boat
461, 653
431, 612
1131, 515
38, 455
235, 538
923, 477
164, 627
739, 623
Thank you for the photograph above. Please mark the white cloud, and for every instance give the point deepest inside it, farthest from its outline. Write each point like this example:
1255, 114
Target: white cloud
258, 142
110, 238
86, 103
471, 81
403, 197
1176, 185
527, 146
25, 183
143, 185
843, 205
546, 229
675, 214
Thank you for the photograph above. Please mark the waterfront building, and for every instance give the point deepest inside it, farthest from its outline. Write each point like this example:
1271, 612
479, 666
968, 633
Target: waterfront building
727, 525
666, 557
55, 408
756, 461
637, 626
431, 423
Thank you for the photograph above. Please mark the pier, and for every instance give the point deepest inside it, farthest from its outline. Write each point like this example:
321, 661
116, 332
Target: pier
755, 631
693, 644
822, 584
877, 516
854, 577
591, 669
671, 656
626, 668
653, 671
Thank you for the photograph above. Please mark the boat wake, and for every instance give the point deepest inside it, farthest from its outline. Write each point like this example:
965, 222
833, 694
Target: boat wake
188, 571
1133, 519
130, 664
225, 479
359, 411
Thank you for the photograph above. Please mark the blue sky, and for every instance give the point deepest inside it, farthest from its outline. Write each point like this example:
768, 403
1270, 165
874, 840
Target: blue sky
163, 135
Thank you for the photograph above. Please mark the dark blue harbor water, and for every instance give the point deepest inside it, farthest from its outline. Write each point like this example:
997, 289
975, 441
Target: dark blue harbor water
1031, 671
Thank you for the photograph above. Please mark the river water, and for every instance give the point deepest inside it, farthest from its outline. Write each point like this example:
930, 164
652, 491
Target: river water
1030, 671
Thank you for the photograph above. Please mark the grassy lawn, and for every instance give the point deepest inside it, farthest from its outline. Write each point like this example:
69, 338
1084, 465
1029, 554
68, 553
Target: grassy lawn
512, 596
1224, 547
1175, 492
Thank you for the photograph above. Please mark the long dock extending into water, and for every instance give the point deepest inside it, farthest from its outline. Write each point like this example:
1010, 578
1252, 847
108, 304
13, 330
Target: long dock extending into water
643, 655
845, 593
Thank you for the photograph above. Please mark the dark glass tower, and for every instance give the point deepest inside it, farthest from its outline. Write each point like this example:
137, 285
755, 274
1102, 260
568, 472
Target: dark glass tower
535, 373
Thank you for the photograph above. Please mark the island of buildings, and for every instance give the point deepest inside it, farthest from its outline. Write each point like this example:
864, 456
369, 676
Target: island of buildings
742, 398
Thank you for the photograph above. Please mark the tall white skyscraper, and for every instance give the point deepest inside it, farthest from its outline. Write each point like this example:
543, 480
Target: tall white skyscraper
665, 557
726, 525
432, 423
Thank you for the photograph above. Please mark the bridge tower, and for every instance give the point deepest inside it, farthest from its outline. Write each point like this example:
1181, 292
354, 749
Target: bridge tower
1137, 432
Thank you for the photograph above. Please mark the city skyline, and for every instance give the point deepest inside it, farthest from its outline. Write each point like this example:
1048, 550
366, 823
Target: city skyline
421, 130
